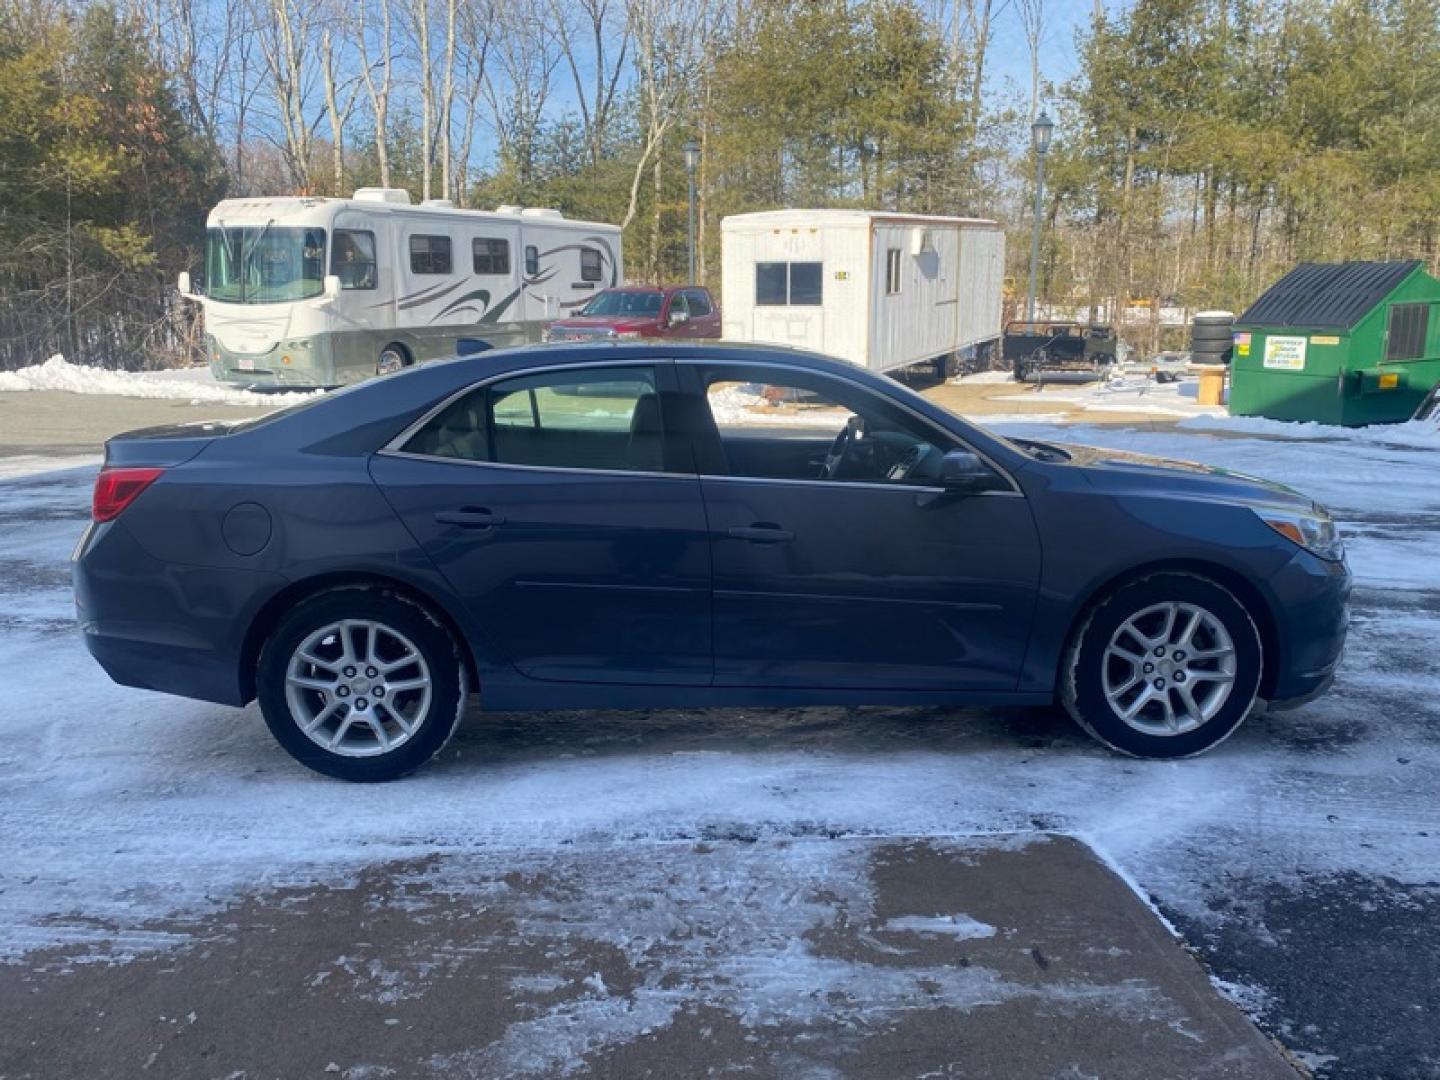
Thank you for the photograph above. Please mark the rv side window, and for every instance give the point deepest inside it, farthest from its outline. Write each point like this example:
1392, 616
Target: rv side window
492, 256
591, 268
892, 271
770, 284
429, 254
1406, 337
352, 258
805, 284
532, 260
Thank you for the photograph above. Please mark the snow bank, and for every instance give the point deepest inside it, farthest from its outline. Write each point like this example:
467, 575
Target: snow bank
187, 384
1421, 434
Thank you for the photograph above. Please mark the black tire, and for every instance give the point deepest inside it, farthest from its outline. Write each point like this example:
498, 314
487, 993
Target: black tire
393, 357
1082, 688
448, 691
1212, 332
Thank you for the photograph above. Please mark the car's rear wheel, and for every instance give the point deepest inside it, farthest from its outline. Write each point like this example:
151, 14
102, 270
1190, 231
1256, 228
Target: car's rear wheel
1166, 666
361, 684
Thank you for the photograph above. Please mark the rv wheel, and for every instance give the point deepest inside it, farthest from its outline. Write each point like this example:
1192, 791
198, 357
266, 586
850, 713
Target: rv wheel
392, 358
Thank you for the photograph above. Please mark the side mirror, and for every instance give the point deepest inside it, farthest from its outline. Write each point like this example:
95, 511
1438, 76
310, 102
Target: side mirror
677, 318
183, 284
332, 286
965, 471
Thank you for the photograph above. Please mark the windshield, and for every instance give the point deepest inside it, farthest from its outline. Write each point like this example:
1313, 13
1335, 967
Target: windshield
624, 303
261, 264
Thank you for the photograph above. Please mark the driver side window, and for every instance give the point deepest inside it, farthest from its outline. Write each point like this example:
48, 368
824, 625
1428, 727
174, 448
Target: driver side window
783, 426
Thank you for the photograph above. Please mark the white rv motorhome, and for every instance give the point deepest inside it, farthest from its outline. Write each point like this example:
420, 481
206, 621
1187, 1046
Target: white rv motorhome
881, 290
308, 292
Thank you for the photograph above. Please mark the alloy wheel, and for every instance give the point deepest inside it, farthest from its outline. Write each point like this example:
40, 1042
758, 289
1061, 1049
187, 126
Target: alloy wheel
1169, 668
358, 688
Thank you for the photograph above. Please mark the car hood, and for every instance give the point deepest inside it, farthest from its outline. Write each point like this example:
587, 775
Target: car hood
1117, 470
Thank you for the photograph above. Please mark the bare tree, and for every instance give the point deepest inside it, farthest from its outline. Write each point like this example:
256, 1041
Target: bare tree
475, 21
594, 38
284, 29
1032, 22
517, 84
670, 43
340, 93
378, 90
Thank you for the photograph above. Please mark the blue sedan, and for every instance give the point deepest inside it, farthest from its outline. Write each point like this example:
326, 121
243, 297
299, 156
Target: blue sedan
646, 525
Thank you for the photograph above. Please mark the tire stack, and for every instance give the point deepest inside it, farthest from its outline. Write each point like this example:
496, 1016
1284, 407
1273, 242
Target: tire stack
1212, 337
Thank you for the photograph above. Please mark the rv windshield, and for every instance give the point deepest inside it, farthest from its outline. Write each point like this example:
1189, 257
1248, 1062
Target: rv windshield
260, 264
622, 302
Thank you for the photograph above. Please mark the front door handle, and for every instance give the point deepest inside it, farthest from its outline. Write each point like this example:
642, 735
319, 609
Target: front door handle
470, 517
762, 532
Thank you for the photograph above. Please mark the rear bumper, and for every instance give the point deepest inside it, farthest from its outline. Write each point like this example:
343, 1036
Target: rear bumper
174, 628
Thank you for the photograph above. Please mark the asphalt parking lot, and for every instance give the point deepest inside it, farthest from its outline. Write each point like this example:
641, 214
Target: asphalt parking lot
678, 894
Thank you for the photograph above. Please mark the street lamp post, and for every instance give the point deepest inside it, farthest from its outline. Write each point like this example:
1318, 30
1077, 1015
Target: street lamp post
1040, 132
692, 161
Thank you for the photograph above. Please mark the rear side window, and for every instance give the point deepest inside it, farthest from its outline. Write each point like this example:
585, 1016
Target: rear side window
1406, 337
491, 255
430, 255
605, 418
592, 267
352, 258
699, 302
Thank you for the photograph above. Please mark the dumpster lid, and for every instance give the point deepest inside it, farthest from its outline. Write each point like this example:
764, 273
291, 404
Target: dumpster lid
1328, 295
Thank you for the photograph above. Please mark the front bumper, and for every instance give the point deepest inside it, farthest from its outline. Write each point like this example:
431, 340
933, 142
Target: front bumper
302, 368
1312, 606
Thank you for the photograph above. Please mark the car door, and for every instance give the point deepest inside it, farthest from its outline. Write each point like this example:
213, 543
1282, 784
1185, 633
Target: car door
704, 318
570, 524
674, 321
855, 575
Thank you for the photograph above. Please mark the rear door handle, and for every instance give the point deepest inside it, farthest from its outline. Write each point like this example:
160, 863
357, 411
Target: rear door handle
470, 517
762, 532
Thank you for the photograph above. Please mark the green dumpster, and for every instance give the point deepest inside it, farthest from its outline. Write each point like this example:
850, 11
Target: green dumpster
1339, 343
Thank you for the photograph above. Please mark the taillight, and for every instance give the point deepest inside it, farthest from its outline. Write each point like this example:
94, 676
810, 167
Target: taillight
115, 489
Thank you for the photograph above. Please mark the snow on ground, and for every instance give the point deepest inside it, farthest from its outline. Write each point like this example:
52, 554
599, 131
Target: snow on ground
181, 384
1127, 392
123, 807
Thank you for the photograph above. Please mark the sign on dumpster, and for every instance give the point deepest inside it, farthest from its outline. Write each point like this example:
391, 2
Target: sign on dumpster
1285, 353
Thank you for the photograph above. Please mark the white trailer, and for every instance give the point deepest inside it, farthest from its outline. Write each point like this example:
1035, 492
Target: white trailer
881, 290
304, 291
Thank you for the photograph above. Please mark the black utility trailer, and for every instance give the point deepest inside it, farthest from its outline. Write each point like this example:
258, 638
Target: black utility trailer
1040, 348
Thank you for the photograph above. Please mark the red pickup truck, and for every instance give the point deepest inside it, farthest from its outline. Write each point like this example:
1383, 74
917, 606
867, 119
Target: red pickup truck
636, 311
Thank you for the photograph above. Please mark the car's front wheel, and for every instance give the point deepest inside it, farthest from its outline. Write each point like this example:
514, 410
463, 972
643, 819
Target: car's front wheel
361, 684
1166, 666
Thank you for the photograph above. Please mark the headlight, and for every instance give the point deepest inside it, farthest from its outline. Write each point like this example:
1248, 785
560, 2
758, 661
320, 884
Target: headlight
1316, 533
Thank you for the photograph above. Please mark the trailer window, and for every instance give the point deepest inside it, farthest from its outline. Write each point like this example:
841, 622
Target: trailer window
779, 284
805, 285
491, 255
1406, 337
772, 284
430, 255
352, 258
532, 260
592, 267
892, 271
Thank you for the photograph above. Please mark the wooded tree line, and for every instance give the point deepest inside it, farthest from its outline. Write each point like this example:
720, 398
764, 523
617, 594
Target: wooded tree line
1203, 147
